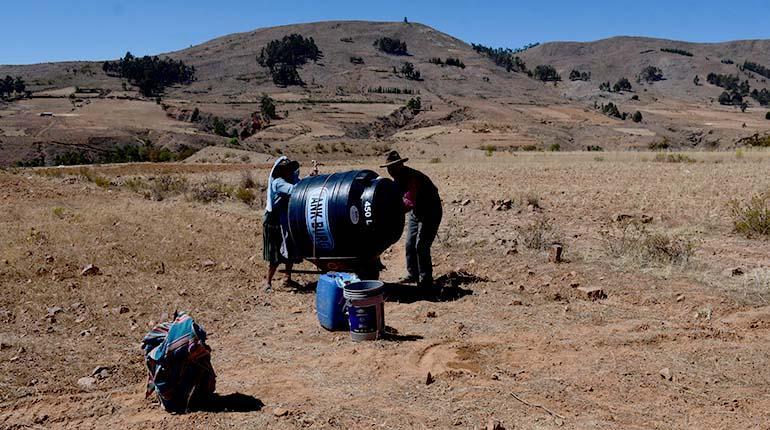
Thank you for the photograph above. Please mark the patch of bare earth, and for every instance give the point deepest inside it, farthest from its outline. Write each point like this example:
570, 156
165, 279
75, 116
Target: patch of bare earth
680, 345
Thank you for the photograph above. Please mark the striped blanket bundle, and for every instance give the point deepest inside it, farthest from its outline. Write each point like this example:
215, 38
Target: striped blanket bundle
179, 364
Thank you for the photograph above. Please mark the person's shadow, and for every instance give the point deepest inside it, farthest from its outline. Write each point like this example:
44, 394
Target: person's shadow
446, 288
235, 402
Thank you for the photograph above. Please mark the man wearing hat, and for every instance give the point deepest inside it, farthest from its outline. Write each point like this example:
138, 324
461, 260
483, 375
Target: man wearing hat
423, 206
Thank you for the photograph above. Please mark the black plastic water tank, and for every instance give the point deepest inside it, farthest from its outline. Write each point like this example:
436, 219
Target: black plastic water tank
345, 220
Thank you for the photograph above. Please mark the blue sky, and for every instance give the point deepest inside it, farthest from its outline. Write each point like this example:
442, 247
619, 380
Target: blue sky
35, 31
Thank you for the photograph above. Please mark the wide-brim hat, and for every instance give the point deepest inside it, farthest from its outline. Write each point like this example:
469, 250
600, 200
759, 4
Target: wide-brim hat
285, 166
394, 158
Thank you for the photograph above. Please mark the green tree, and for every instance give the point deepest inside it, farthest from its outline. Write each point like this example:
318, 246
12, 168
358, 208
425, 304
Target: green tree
391, 46
267, 106
637, 116
284, 56
651, 74
623, 84
767, 116
409, 72
414, 104
151, 74
725, 98
546, 73
219, 127
18, 85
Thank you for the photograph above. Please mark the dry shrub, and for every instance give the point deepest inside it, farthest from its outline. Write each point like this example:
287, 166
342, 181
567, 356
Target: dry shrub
136, 184
531, 199
211, 189
752, 218
101, 181
635, 243
90, 176
540, 234
50, 173
246, 195
247, 181
165, 186
673, 158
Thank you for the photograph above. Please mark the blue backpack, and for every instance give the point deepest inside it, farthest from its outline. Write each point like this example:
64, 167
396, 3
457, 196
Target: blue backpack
179, 364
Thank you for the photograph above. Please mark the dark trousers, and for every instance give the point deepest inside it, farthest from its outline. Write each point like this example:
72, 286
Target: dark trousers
420, 234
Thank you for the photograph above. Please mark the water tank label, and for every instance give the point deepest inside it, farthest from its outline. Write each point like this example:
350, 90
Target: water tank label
354, 217
317, 219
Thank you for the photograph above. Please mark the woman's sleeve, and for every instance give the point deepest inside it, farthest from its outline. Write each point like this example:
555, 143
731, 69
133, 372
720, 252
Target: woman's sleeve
282, 187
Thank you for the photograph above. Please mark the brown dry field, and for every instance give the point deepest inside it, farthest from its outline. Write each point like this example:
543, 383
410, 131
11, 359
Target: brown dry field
523, 331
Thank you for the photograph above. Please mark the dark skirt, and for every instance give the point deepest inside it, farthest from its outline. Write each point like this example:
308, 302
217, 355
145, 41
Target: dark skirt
273, 238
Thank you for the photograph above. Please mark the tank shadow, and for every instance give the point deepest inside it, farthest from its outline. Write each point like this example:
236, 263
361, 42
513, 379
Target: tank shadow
235, 402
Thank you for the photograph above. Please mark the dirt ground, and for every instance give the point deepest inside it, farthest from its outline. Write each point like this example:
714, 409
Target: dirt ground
675, 344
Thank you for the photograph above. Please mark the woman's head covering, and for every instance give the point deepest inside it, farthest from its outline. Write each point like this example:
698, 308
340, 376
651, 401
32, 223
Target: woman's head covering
281, 166
269, 204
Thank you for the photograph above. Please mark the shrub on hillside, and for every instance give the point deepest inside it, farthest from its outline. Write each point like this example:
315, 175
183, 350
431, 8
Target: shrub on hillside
611, 109
546, 73
576, 75
219, 127
767, 116
409, 72
637, 117
454, 62
762, 96
414, 105
623, 84
651, 74
267, 106
391, 46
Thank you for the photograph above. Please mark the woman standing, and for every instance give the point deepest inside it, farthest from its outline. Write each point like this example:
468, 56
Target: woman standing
277, 244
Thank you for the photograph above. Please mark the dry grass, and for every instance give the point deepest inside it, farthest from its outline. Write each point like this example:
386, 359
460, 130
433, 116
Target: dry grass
642, 326
246, 195
673, 157
540, 234
752, 218
636, 245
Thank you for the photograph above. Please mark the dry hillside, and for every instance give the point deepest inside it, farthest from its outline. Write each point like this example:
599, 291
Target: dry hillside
334, 115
